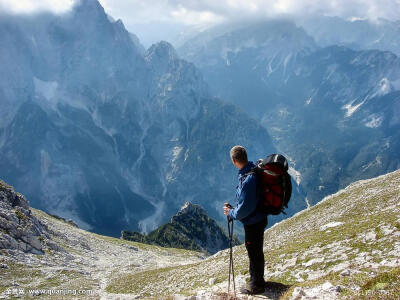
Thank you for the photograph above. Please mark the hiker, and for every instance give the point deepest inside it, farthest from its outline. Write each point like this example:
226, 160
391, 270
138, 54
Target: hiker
254, 221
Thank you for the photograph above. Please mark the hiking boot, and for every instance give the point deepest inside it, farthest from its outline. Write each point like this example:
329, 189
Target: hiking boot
252, 289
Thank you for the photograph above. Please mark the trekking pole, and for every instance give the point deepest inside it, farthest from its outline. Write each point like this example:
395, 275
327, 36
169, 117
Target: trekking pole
231, 269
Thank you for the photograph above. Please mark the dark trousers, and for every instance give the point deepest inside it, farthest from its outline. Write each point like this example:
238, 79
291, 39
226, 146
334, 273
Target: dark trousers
254, 238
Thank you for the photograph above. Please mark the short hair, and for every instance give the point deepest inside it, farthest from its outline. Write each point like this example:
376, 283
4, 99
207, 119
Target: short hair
239, 154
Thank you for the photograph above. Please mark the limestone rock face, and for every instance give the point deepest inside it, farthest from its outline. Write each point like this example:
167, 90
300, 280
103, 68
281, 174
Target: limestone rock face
130, 133
19, 228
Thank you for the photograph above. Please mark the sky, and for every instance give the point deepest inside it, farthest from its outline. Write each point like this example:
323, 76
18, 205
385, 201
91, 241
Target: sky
152, 18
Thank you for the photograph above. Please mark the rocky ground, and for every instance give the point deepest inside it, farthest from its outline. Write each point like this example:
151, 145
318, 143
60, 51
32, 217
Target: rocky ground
345, 247
60, 256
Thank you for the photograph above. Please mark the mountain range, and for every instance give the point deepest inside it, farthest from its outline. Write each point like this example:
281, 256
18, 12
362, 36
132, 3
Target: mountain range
332, 110
98, 130
357, 34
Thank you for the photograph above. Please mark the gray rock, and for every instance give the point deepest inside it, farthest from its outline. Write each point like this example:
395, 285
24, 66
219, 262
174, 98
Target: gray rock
11, 243
345, 272
211, 281
298, 293
55, 247
22, 246
15, 283
71, 222
85, 244
20, 229
3, 266
133, 248
35, 251
34, 242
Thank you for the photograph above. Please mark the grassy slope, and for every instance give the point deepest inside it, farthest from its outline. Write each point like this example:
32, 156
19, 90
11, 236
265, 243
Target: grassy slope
370, 206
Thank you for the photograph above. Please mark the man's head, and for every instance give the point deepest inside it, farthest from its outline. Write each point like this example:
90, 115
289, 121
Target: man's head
239, 156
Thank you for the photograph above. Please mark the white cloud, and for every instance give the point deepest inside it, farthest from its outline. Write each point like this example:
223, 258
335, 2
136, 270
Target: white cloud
192, 17
149, 17
209, 11
29, 6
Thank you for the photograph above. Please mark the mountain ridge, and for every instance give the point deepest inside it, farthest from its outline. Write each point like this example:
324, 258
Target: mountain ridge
327, 108
190, 228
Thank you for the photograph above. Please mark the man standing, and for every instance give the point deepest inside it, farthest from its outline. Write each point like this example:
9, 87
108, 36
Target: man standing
254, 221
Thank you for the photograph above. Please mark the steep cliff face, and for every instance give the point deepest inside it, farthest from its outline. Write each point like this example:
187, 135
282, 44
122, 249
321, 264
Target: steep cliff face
96, 130
356, 34
20, 229
331, 110
191, 228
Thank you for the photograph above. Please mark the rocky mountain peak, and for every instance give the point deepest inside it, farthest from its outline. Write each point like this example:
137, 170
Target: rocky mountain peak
88, 5
191, 228
89, 9
189, 210
162, 52
189, 207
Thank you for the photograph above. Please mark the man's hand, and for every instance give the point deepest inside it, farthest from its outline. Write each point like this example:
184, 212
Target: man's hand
227, 207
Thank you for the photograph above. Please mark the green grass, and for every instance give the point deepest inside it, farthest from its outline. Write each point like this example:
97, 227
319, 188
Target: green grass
140, 246
383, 280
34, 278
147, 247
356, 205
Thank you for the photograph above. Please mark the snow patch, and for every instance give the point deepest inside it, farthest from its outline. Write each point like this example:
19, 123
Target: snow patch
175, 152
286, 62
295, 174
384, 87
351, 109
99, 123
376, 162
374, 121
47, 89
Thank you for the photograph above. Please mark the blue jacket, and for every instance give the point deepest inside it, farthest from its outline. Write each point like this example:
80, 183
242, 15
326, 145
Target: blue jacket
247, 198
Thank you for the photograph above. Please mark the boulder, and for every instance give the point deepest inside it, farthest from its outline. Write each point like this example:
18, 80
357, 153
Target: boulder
19, 228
